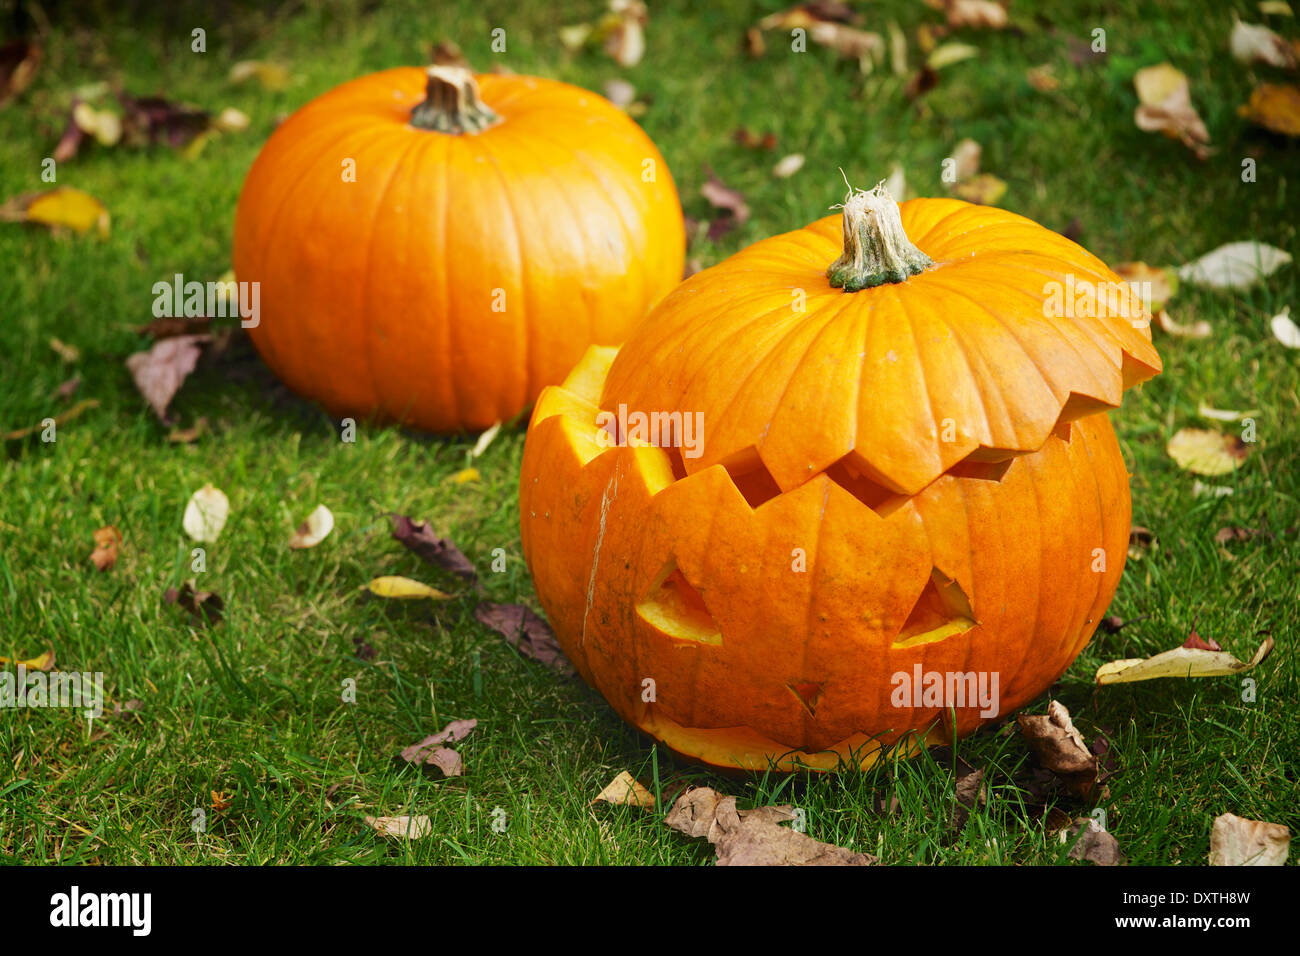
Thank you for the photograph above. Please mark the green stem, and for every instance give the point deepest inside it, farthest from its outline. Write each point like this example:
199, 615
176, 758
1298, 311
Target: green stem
452, 103
876, 249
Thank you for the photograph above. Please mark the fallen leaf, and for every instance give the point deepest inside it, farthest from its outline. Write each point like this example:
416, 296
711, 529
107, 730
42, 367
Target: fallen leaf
1250, 43
404, 827
1060, 748
231, 120
107, 539
946, 54
42, 662
1043, 78
1095, 845
314, 529
1233, 533
1284, 329
1205, 452
788, 166
620, 92
430, 752
626, 791
269, 75
976, 14
1165, 106
755, 46
753, 837
526, 632
19, 61
1140, 539
73, 412
69, 353
161, 370
153, 120
751, 140
484, 440
721, 196
126, 707
1154, 286
465, 475
205, 607
220, 800
192, 434
1236, 841
60, 208
1200, 329
1180, 662
69, 388
965, 160
398, 587
1236, 265
419, 537
1197, 643
1201, 489
1225, 414
104, 126
206, 513
625, 40
984, 189
923, 81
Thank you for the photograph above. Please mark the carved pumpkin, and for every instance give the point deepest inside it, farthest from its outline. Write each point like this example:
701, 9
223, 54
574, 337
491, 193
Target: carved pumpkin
438, 261
906, 471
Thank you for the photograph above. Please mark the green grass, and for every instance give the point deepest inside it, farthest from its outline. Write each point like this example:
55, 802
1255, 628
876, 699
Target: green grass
252, 707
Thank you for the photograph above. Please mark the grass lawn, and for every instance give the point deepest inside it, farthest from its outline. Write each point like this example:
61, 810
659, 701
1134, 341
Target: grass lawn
251, 708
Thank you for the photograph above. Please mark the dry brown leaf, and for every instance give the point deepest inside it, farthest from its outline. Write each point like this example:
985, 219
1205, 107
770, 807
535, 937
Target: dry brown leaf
625, 40
1155, 285
160, 371
204, 607
107, 539
976, 15
626, 791
403, 828
42, 662
418, 536
753, 837
1166, 107
19, 61
1060, 748
1236, 841
526, 632
1043, 78
1275, 108
1096, 845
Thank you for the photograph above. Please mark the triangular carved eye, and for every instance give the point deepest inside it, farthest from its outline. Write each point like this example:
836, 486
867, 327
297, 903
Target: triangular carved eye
809, 694
675, 607
942, 610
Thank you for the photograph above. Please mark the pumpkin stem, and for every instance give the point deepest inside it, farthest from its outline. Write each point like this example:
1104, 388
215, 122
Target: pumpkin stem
876, 249
452, 103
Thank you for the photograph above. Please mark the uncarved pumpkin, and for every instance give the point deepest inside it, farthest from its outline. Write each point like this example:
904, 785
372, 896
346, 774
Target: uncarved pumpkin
906, 464
434, 248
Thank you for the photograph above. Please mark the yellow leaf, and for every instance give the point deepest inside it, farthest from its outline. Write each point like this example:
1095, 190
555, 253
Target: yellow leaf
61, 208
626, 791
984, 189
465, 475
42, 662
947, 54
1180, 662
271, 76
1155, 84
1274, 107
395, 586
1205, 452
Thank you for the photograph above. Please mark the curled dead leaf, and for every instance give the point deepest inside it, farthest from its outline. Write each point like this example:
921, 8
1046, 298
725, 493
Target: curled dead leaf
204, 607
161, 370
1274, 107
314, 529
626, 791
1237, 841
525, 632
206, 514
1165, 106
1060, 748
107, 539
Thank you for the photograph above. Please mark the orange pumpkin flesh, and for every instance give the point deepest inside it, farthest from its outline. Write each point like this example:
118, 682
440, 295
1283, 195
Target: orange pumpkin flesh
471, 262
934, 448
